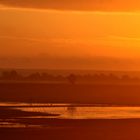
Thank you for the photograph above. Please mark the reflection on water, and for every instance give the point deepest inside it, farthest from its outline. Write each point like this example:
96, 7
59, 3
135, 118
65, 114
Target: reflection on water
87, 112
13, 125
71, 111
14, 104
65, 111
8, 124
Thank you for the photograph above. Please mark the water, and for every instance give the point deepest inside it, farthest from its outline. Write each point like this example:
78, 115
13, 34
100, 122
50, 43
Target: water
77, 111
64, 111
87, 112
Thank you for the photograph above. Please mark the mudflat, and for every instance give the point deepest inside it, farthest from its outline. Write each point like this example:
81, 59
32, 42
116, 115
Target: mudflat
124, 129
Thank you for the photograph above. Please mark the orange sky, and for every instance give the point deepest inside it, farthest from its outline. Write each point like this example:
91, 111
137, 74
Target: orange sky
87, 35
88, 5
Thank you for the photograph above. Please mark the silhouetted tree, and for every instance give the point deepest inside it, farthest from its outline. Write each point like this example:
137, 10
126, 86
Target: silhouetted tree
72, 78
14, 74
5, 75
34, 76
11, 75
112, 78
126, 78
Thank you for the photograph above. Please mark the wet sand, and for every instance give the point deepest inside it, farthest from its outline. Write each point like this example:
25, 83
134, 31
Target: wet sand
77, 130
11, 113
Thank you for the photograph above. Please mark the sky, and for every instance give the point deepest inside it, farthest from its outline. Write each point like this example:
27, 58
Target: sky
70, 34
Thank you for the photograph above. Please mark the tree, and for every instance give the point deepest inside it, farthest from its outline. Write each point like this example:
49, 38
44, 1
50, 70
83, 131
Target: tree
10, 75
34, 76
72, 78
14, 74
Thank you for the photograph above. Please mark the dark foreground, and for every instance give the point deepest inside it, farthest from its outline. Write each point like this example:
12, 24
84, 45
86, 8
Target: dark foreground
77, 130
62, 129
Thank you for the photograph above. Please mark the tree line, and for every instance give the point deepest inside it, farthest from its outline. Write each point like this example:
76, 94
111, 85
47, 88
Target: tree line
13, 75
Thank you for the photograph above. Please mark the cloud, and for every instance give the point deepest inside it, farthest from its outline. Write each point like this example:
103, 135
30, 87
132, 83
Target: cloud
90, 5
125, 38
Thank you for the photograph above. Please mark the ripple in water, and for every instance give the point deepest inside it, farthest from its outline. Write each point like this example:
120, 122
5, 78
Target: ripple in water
87, 112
